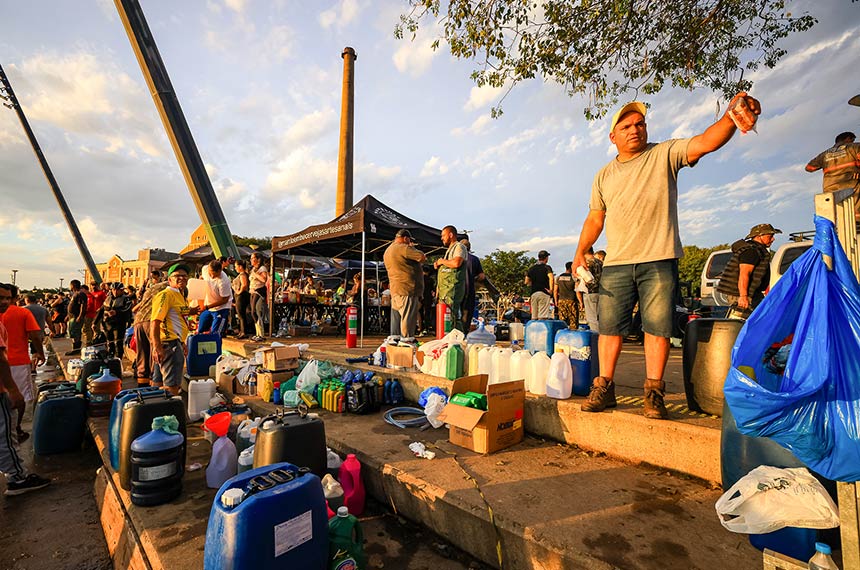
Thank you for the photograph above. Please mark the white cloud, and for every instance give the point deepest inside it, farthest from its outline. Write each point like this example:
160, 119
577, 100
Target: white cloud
414, 55
280, 42
340, 15
481, 97
433, 167
309, 128
237, 6
478, 126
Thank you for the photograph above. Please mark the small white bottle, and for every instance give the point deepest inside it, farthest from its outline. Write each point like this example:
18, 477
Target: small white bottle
822, 560
585, 275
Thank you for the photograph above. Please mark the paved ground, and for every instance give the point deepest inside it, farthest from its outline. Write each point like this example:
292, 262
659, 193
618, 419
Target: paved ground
59, 529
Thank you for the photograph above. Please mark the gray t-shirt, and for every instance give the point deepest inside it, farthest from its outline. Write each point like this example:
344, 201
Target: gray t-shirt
640, 197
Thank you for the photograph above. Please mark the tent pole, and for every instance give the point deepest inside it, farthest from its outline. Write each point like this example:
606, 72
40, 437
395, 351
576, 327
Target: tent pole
363, 243
272, 291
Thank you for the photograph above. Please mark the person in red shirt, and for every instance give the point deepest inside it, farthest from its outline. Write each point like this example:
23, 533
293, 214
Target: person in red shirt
17, 479
97, 297
23, 330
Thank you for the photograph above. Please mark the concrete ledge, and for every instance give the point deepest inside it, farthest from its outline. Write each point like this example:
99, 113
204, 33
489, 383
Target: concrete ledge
687, 443
553, 507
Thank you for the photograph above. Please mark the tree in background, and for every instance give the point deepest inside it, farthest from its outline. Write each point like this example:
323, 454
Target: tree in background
605, 48
262, 243
507, 270
691, 265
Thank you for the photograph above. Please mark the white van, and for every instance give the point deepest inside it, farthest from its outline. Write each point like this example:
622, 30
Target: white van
784, 257
714, 266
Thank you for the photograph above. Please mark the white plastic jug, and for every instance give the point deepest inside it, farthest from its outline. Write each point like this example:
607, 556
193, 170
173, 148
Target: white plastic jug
517, 331
197, 289
472, 359
485, 360
199, 394
540, 368
501, 366
246, 434
224, 463
559, 380
246, 459
521, 365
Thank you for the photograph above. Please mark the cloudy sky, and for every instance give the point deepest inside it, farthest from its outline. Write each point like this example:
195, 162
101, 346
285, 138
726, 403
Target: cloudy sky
260, 82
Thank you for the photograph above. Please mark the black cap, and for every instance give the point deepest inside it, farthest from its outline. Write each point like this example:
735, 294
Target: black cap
543, 254
404, 233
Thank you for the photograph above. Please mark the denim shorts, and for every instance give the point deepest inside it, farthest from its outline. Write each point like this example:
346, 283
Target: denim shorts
653, 284
172, 368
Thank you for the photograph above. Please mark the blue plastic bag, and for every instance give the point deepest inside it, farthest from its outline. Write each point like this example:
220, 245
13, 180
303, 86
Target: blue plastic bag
813, 407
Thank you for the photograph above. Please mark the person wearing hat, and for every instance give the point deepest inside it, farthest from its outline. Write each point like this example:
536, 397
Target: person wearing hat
406, 282
169, 329
841, 166
635, 199
117, 314
541, 281
747, 274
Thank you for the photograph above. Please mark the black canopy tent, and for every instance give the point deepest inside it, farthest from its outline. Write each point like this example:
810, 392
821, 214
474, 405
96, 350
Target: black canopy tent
362, 233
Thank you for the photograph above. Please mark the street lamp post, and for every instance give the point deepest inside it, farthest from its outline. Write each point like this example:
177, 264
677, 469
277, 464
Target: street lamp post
61, 283
14, 276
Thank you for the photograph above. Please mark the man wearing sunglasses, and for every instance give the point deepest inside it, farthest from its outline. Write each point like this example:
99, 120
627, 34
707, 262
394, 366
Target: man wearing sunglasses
169, 329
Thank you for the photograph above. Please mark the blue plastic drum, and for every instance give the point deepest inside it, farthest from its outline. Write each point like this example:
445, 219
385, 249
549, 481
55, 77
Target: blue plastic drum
580, 346
268, 518
540, 335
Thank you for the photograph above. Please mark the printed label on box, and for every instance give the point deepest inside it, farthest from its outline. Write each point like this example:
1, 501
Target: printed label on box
292, 533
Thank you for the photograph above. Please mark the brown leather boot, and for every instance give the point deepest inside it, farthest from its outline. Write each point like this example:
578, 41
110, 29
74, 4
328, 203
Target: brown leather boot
602, 395
655, 391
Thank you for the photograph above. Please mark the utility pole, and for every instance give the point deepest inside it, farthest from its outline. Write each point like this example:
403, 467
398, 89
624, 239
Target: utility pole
344, 198
181, 139
11, 101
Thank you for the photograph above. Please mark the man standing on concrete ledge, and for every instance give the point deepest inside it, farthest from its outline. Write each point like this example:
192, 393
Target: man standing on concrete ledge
451, 280
635, 197
403, 264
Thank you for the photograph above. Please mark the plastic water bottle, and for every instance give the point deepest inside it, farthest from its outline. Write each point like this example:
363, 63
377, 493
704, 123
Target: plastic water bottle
252, 385
822, 560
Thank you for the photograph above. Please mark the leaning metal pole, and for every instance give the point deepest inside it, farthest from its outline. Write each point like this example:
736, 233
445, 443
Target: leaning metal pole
161, 89
8, 95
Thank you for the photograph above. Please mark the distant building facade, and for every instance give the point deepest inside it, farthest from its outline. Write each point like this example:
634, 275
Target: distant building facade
133, 272
198, 239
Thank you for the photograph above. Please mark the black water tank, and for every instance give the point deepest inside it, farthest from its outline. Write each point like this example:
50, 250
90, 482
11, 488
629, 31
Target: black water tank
707, 358
137, 416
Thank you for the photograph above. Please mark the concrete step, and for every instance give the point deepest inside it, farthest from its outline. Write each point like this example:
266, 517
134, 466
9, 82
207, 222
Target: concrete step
688, 443
539, 504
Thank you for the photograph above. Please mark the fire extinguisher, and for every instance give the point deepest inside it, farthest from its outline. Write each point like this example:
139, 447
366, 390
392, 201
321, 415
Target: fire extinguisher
444, 320
351, 326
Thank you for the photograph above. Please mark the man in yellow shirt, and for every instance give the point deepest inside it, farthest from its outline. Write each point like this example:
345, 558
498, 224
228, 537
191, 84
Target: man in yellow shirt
169, 329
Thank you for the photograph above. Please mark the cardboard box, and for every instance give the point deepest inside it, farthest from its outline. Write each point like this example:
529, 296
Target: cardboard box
499, 427
296, 330
274, 375
400, 356
280, 357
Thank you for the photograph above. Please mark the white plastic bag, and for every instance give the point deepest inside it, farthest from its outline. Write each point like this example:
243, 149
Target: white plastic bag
770, 498
432, 409
309, 376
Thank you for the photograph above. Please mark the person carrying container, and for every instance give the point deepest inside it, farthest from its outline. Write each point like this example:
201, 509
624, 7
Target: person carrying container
635, 198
